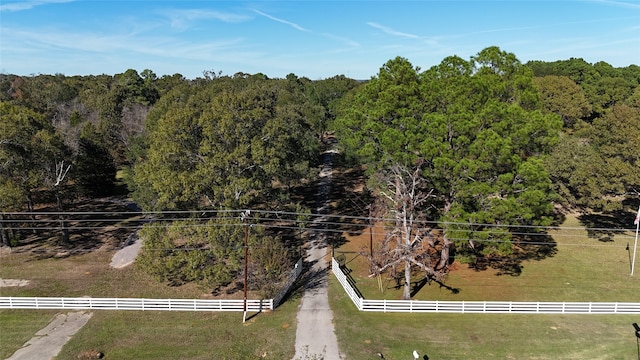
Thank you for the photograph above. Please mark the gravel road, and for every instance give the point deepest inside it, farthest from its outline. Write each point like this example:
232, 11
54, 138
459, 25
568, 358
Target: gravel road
315, 334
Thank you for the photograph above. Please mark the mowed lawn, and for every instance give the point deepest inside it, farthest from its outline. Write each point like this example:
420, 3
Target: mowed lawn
582, 269
478, 336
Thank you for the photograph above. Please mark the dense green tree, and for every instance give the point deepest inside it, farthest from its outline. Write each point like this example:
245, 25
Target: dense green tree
478, 129
6, 89
325, 96
222, 143
382, 125
12, 199
95, 172
44, 93
31, 153
28, 147
578, 70
207, 252
211, 251
577, 180
269, 262
166, 83
617, 138
224, 147
560, 95
483, 149
602, 84
597, 167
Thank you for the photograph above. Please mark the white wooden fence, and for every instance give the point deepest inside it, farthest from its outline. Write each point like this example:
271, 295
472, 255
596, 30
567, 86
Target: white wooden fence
89, 303
485, 307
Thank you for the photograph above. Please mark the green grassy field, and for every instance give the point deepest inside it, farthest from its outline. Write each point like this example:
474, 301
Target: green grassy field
582, 269
20, 326
188, 335
477, 336
165, 335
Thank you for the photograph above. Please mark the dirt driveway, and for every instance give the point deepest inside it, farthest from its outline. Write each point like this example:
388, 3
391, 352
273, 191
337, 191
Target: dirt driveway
48, 342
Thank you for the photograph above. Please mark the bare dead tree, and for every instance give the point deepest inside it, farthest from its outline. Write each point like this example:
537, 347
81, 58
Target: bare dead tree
61, 174
133, 117
409, 243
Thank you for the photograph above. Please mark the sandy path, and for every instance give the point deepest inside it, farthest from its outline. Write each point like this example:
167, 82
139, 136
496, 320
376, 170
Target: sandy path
127, 255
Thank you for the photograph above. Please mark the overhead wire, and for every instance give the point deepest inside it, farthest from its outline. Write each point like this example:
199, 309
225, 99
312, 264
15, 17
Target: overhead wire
28, 218
132, 221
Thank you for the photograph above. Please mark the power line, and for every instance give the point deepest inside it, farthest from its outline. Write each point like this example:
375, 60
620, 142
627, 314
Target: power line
28, 217
280, 222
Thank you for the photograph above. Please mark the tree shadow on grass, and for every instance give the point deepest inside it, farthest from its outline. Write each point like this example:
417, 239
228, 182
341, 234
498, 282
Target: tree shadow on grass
92, 224
526, 248
605, 226
350, 205
418, 285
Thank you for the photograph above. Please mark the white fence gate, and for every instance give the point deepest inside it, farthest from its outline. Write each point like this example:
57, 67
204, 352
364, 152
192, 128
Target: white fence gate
297, 270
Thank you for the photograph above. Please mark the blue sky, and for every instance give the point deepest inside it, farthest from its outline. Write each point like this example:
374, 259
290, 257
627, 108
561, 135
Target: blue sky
314, 39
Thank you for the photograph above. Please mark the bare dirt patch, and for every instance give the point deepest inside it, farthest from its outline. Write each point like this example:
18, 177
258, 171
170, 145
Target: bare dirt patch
127, 255
13, 282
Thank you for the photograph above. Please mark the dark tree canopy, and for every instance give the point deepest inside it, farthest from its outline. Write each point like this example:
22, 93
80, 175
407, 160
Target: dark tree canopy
224, 145
477, 126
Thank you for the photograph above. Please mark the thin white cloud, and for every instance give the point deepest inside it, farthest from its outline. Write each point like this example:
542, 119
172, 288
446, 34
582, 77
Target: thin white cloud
391, 31
27, 5
54, 40
293, 25
343, 40
625, 4
180, 18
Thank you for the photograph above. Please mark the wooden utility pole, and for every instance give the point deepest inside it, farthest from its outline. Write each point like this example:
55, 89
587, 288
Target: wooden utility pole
246, 261
636, 222
246, 268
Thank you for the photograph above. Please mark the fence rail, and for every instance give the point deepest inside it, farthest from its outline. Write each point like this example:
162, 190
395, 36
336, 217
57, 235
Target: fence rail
481, 307
88, 303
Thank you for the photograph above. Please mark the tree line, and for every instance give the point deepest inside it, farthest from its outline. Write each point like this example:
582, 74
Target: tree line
480, 146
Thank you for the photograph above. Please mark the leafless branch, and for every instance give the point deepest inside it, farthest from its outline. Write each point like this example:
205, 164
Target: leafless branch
61, 172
